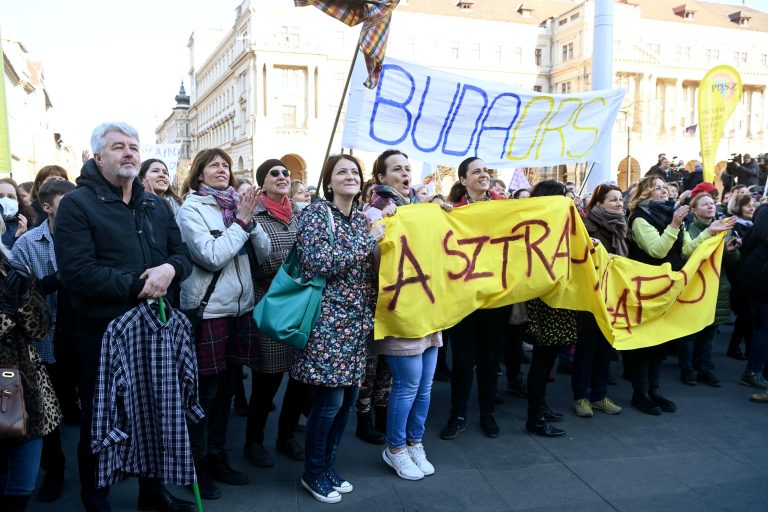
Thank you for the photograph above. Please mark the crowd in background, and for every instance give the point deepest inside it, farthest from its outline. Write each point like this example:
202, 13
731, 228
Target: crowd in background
81, 265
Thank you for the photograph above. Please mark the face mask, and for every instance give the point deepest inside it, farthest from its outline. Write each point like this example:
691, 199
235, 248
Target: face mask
10, 207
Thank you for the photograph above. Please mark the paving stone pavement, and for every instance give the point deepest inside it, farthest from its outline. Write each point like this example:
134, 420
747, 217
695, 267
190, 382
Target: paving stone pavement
711, 455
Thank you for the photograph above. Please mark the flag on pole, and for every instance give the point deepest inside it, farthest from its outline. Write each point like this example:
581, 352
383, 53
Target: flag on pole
375, 16
519, 180
691, 130
719, 93
5, 144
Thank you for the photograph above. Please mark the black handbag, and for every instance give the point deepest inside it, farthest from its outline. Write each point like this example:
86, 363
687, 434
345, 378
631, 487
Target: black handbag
195, 315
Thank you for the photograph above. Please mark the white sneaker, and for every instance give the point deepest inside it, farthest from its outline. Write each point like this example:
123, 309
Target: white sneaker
419, 457
402, 464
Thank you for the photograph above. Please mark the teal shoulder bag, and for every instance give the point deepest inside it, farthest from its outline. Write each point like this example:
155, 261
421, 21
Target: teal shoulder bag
291, 306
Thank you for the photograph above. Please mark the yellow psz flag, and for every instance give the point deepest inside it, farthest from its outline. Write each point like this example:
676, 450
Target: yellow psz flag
719, 93
437, 267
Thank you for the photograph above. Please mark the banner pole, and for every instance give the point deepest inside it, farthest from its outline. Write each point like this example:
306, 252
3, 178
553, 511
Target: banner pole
586, 179
338, 112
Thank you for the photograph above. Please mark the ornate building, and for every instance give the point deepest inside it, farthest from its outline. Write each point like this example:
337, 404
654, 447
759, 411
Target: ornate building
270, 86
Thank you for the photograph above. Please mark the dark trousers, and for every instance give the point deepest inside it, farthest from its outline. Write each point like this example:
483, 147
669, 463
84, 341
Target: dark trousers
758, 351
513, 350
591, 362
476, 341
377, 385
695, 351
263, 391
542, 360
215, 392
645, 367
90, 332
325, 427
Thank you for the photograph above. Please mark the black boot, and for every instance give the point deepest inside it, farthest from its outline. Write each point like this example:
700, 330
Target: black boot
13, 503
366, 431
643, 403
160, 500
665, 404
537, 424
222, 472
381, 419
205, 483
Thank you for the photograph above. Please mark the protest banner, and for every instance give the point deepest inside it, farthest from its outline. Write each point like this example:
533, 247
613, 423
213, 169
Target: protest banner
168, 153
438, 267
443, 118
719, 94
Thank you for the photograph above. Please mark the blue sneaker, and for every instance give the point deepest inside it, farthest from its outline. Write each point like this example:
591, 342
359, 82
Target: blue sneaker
338, 483
320, 489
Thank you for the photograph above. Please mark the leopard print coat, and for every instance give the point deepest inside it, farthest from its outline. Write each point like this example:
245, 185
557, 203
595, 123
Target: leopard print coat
31, 322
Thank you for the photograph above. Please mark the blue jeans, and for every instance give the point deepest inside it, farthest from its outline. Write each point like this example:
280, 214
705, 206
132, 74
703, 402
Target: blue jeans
325, 426
695, 351
409, 401
758, 349
19, 463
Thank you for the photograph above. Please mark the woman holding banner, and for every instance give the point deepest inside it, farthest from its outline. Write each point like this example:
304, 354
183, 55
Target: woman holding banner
476, 340
333, 362
410, 361
605, 221
658, 235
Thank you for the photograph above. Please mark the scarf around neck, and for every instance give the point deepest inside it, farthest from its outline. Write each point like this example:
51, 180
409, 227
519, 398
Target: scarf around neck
615, 224
384, 194
228, 200
659, 211
282, 211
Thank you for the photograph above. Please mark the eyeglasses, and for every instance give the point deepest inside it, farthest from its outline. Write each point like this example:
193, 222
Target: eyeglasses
276, 172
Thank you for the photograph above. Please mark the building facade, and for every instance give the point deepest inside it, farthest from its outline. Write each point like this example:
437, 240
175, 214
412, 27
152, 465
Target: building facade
271, 85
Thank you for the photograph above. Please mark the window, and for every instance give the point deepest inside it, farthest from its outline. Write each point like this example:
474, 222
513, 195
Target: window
289, 116
517, 55
570, 51
410, 45
537, 54
476, 51
565, 52
764, 59
574, 16
454, 50
565, 87
562, 22
496, 51
686, 51
740, 57
537, 88
678, 52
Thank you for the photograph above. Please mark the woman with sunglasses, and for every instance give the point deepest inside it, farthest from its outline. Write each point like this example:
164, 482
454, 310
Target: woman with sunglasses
268, 359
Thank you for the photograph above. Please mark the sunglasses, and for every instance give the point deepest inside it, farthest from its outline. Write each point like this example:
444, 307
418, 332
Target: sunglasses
276, 172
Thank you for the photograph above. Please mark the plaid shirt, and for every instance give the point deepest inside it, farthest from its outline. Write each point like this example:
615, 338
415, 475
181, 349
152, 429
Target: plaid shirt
35, 250
145, 390
375, 15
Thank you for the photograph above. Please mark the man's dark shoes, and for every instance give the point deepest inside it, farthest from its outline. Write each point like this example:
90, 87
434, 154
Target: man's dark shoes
687, 378
366, 431
291, 448
488, 425
736, 354
205, 483
256, 454
709, 379
222, 472
643, 403
552, 416
164, 501
455, 425
50, 490
540, 427
665, 404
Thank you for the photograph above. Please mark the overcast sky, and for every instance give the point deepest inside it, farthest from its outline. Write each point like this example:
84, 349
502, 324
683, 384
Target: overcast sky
105, 60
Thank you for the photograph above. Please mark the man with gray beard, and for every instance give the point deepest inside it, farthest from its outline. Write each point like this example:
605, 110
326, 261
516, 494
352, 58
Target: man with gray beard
116, 245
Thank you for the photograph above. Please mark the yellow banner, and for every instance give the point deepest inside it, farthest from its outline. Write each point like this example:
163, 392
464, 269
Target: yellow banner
438, 267
719, 93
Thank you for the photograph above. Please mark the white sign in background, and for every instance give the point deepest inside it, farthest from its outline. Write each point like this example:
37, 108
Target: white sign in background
168, 153
444, 118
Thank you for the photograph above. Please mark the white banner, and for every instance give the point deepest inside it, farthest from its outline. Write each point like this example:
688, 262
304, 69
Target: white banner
444, 118
168, 153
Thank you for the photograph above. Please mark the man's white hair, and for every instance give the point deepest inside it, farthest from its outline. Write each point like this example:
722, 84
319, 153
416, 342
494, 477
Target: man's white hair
97, 138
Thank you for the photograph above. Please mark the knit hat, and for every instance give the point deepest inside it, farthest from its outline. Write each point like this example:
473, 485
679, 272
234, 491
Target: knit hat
704, 187
261, 172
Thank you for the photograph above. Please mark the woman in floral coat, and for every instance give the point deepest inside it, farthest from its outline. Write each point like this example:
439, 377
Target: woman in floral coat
333, 362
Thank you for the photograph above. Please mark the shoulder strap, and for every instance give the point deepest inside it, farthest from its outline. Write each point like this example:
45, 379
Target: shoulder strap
209, 290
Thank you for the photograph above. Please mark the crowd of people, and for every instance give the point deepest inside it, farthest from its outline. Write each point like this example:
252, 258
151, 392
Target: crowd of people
86, 271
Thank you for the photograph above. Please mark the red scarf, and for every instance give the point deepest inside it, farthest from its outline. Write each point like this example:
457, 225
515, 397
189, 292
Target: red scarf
282, 211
